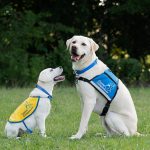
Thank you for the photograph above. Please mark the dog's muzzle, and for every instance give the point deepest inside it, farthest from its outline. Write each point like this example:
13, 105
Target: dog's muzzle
74, 56
59, 77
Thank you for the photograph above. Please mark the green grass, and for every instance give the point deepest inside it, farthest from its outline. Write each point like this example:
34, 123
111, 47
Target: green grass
64, 121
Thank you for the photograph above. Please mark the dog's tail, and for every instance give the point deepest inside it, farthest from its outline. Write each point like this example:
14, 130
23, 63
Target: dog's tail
5, 131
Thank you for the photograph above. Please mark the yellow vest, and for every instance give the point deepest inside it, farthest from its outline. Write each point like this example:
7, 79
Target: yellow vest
26, 109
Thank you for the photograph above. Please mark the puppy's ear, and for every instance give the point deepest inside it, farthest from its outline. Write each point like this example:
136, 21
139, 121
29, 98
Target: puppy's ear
45, 76
68, 43
42, 77
94, 46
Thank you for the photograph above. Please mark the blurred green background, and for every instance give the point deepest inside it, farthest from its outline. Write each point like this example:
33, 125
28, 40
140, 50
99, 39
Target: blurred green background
33, 35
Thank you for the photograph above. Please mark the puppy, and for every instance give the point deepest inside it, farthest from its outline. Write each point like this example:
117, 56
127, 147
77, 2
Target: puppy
100, 91
34, 110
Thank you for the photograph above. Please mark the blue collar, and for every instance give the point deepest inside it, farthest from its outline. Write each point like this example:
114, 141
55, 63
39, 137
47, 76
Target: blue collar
43, 90
87, 68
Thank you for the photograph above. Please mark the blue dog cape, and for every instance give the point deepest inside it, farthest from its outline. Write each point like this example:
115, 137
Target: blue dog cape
106, 83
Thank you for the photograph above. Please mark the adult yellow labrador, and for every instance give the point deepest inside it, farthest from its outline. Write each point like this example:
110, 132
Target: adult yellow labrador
100, 90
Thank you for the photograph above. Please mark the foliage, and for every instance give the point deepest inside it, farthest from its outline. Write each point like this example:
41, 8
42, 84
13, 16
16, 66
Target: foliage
14, 70
29, 44
33, 34
127, 24
129, 70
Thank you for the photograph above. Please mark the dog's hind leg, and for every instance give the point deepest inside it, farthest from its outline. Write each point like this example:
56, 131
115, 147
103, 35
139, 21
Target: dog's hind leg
12, 133
115, 125
106, 127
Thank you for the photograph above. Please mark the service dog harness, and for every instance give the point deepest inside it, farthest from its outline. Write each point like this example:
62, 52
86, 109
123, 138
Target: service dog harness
106, 84
26, 109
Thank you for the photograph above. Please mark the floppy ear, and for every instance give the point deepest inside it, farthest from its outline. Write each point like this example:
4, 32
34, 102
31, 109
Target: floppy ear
68, 43
94, 46
44, 75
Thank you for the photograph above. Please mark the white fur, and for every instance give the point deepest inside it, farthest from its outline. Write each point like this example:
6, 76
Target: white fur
38, 118
121, 118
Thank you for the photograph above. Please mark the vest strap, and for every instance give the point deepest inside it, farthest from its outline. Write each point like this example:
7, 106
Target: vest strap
105, 109
44, 91
28, 130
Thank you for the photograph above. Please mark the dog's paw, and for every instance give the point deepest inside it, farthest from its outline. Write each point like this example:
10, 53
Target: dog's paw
18, 138
75, 137
43, 135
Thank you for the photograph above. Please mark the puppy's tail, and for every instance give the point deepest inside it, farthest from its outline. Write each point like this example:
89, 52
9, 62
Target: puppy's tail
5, 131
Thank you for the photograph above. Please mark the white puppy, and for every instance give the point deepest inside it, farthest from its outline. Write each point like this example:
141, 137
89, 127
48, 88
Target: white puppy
101, 91
34, 110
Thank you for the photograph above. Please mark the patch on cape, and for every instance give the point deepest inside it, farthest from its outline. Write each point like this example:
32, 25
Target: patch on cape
107, 84
26, 109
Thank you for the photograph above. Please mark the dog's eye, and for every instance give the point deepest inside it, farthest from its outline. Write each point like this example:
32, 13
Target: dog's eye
83, 44
74, 42
51, 70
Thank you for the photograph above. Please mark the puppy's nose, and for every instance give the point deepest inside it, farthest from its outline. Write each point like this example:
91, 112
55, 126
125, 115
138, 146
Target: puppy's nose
60, 67
74, 49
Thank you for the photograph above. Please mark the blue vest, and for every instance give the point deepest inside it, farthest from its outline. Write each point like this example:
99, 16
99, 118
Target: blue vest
105, 83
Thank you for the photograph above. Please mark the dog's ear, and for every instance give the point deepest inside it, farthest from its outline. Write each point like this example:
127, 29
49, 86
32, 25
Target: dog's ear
42, 77
68, 43
45, 76
94, 46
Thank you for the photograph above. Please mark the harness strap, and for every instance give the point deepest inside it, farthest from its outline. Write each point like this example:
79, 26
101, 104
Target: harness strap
28, 130
43, 90
107, 105
77, 72
105, 109
84, 79
89, 81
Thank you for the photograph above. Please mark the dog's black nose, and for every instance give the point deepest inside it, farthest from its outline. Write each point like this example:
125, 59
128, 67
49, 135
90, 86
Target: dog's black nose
60, 67
74, 49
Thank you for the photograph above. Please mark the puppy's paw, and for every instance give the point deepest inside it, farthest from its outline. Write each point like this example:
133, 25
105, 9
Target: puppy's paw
43, 135
18, 138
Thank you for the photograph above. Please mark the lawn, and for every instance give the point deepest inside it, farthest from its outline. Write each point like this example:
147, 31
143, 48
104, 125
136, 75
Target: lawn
64, 121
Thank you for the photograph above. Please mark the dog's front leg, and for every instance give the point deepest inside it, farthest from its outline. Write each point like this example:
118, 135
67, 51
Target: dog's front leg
88, 107
41, 125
